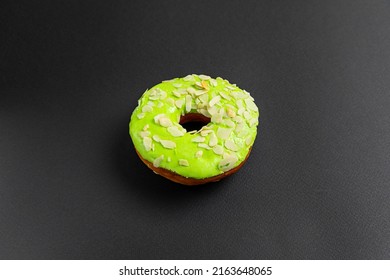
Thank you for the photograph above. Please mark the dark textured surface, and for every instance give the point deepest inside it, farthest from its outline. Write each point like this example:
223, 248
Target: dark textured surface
317, 184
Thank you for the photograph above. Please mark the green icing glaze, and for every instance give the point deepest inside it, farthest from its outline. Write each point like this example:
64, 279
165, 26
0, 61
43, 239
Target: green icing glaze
219, 146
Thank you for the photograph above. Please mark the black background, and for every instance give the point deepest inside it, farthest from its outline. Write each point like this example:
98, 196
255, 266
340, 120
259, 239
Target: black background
316, 186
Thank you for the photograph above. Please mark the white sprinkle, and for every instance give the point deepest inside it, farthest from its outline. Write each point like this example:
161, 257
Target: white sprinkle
229, 144
169, 159
213, 82
204, 77
157, 161
188, 103
179, 103
223, 133
213, 140
218, 150
214, 101
147, 109
168, 144
165, 122
176, 85
146, 127
144, 133
198, 154
175, 131
183, 162
248, 140
204, 146
147, 143
198, 139
156, 138
140, 116
241, 111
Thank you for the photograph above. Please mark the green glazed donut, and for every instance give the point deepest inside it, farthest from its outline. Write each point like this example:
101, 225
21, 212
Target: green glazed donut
220, 146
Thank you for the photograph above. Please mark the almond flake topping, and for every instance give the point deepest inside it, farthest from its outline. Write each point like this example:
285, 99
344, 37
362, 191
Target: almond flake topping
223, 133
205, 132
230, 112
191, 90
188, 103
170, 101
147, 109
204, 98
218, 150
251, 105
229, 123
204, 146
224, 95
248, 140
227, 162
156, 138
168, 144
204, 77
189, 78
198, 154
183, 162
214, 101
229, 144
213, 140
140, 116
213, 82
179, 103
165, 122
252, 122
175, 131
216, 118
198, 139
157, 161
147, 143
144, 134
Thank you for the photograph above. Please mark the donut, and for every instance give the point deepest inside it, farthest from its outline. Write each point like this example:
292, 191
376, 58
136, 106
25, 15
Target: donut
227, 120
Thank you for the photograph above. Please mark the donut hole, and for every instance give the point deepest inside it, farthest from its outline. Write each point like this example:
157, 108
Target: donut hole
194, 121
